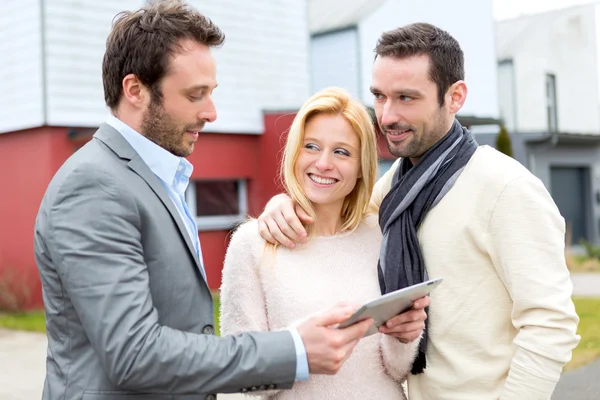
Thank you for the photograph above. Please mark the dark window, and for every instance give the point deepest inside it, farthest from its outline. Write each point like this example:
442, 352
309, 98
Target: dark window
214, 198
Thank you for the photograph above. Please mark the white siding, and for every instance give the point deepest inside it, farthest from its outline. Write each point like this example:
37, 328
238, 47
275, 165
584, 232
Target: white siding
264, 63
334, 61
75, 38
21, 83
562, 43
469, 21
507, 96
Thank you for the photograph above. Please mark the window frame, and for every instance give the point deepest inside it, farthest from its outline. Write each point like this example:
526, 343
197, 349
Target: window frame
551, 103
218, 222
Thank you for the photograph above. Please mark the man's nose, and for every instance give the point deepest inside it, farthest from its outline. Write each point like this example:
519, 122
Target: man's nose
389, 114
209, 111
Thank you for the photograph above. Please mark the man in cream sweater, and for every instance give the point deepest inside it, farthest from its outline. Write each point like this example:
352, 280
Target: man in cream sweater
502, 324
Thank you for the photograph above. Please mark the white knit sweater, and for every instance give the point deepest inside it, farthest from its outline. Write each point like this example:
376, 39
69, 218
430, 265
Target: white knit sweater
502, 324
308, 280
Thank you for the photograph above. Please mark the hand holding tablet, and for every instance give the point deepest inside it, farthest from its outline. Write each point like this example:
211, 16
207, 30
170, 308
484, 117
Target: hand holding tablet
389, 305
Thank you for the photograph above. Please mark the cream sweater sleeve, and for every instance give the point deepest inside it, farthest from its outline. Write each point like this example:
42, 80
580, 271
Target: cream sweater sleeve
242, 301
397, 356
382, 187
525, 239
243, 307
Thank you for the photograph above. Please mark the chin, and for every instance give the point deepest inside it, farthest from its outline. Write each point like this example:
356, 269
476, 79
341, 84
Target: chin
317, 199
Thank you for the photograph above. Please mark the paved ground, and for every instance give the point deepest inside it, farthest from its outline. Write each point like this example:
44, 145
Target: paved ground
581, 384
22, 366
587, 284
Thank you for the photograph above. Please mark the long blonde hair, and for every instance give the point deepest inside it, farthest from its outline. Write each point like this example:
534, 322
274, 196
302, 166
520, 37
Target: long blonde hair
334, 101
330, 101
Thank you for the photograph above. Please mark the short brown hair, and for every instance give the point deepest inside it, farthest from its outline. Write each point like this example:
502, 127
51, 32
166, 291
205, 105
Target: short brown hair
141, 42
445, 54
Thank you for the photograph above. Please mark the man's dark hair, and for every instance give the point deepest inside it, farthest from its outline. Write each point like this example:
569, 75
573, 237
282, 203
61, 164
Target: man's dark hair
445, 54
142, 41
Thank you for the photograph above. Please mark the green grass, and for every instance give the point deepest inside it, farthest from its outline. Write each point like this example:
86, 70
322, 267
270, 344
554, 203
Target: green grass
216, 304
35, 321
588, 350
25, 321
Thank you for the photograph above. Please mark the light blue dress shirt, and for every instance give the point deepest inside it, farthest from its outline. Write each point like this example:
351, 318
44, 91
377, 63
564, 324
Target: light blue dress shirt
174, 173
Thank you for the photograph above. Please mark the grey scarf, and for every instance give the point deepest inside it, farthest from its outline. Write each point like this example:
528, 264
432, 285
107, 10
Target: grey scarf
416, 190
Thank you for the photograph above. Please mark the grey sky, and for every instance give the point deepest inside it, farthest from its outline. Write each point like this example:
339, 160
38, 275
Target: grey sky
504, 9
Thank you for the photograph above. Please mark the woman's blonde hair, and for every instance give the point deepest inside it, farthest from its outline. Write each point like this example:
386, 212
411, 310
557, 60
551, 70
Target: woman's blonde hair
330, 101
334, 101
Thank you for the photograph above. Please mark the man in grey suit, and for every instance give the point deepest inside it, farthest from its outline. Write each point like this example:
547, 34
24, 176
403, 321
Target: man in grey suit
128, 310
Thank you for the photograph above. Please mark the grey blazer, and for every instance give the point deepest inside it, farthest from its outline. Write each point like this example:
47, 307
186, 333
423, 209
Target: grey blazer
128, 312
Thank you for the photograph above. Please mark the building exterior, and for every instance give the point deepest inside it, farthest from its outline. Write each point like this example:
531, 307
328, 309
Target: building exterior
549, 95
276, 54
52, 101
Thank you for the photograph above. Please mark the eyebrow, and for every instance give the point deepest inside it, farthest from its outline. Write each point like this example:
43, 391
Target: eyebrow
400, 92
336, 144
199, 87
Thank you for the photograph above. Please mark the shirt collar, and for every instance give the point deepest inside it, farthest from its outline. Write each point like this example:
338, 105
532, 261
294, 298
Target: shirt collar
161, 162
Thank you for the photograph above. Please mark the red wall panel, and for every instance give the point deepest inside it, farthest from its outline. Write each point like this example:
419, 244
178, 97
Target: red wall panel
28, 160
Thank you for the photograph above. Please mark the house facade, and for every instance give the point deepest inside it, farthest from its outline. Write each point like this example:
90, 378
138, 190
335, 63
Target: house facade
549, 96
52, 102
276, 54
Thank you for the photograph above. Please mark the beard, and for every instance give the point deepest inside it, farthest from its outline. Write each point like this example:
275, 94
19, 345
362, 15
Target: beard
159, 127
420, 140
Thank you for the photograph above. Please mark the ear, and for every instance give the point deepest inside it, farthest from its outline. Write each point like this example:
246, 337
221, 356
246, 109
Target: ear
135, 92
456, 96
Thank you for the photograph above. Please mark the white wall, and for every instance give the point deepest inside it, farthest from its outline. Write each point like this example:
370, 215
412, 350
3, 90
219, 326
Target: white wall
264, 63
335, 61
21, 85
469, 21
562, 43
507, 96
75, 37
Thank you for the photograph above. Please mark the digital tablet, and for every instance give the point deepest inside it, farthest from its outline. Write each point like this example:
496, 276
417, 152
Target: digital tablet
389, 305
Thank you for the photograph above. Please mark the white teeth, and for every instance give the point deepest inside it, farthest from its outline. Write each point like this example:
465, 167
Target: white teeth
322, 181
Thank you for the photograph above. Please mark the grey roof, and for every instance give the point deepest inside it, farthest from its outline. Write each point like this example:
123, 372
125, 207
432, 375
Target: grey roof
332, 15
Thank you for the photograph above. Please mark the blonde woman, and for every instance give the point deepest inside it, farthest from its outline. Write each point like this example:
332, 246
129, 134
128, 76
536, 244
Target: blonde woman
329, 169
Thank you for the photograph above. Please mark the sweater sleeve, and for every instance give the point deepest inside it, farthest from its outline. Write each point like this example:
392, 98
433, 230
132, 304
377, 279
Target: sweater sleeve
397, 357
242, 301
243, 307
382, 187
525, 240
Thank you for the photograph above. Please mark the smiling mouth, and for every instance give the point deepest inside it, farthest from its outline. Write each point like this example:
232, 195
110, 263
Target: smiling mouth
398, 132
322, 180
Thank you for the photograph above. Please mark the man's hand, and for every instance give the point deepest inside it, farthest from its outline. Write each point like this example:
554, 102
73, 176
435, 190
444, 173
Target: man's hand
327, 347
281, 222
409, 325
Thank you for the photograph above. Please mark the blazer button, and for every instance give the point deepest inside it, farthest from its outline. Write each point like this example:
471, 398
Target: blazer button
210, 397
208, 330
271, 386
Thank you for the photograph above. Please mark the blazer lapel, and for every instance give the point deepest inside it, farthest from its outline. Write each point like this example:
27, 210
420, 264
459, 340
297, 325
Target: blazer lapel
115, 141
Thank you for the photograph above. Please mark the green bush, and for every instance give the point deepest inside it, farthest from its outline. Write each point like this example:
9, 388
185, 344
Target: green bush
591, 250
503, 142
